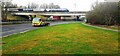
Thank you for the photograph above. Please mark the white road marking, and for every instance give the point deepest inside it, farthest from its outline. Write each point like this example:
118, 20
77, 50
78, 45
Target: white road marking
15, 30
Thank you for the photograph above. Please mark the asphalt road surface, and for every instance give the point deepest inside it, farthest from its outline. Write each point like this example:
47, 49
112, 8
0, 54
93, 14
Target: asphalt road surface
19, 28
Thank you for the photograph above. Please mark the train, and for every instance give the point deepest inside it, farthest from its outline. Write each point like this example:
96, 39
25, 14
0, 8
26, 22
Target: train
25, 9
57, 10
42, 10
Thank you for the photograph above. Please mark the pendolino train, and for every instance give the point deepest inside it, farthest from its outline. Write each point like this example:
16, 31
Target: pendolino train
42, 10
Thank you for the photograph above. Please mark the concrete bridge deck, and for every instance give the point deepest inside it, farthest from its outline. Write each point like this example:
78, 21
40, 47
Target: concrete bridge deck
50, 13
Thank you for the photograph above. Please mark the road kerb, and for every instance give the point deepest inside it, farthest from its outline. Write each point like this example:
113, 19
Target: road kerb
101, 27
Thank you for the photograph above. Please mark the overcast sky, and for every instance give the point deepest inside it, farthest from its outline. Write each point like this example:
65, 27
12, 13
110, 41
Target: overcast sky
81, 5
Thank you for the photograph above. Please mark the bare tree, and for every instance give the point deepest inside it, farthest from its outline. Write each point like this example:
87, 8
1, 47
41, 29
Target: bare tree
49, 6
56, 6
5, 7
33, 5
104, 13
44, 6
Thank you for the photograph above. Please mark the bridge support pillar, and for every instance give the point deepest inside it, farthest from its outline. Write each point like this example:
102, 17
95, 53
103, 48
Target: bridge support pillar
31, 17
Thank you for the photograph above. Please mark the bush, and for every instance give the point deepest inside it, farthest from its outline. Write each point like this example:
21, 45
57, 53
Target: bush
104, 13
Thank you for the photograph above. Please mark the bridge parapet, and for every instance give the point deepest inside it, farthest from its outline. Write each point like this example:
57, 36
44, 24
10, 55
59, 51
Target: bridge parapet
51, 13
46, 12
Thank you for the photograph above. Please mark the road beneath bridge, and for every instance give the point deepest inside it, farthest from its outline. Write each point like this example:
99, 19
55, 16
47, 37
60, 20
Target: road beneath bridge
20, 28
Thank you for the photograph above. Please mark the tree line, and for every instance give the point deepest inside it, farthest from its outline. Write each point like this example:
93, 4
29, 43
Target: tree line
105, 13
6, 5
31, 5
42, 6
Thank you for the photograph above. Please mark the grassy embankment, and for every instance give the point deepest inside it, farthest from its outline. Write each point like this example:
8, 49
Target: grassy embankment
73, 38
12, 19
15, 17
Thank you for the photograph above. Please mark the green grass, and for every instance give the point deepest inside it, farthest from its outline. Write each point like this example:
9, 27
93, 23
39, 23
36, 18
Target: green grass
12, 17
73, 38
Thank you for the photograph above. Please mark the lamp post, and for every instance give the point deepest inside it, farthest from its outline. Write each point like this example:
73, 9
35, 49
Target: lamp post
74, 6
74, 11
0, 28
0, 10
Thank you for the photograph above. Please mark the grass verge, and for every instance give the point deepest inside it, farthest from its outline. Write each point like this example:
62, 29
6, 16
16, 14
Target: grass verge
72, 38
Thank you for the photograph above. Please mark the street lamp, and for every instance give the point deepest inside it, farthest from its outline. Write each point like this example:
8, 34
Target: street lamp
74, 6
